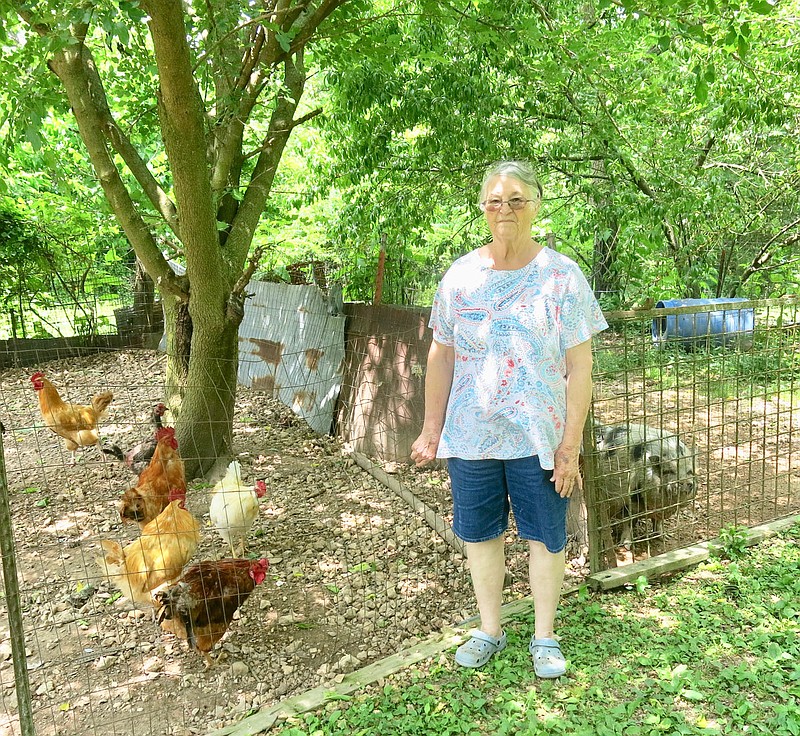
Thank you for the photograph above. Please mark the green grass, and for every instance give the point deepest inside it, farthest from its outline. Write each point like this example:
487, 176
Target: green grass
713, 651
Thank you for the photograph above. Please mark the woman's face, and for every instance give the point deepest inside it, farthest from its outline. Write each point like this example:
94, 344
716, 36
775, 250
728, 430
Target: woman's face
506, 223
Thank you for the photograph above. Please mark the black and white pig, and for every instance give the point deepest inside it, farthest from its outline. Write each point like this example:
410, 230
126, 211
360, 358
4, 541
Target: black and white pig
642, 473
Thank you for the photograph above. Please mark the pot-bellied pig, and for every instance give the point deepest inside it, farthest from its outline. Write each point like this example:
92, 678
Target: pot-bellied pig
642, 473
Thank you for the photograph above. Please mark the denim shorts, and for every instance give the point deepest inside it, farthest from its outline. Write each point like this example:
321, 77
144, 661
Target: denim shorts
485, 490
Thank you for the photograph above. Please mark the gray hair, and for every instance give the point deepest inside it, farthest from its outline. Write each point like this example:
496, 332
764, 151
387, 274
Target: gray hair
519, 170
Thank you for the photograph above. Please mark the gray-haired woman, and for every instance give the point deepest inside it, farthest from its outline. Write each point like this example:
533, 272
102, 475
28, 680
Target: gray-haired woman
507, 390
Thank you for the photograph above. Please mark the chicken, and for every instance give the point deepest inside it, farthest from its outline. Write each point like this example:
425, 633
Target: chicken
157, 556
200, 606
75, 423
147, 499
234, 507
139, 456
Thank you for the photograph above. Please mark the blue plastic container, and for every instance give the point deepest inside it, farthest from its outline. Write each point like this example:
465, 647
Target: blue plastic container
724, 327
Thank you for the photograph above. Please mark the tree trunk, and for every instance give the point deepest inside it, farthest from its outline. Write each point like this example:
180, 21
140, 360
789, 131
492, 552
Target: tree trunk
604, 279
143, 299
201, 391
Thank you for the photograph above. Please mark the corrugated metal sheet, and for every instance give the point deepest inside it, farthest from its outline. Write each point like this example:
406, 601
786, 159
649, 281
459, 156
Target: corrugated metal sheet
292, 346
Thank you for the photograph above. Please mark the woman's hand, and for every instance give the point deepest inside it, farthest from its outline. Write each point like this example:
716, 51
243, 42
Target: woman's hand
567, 474
424, 448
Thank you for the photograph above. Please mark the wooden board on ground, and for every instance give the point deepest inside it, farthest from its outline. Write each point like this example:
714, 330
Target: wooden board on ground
680, 559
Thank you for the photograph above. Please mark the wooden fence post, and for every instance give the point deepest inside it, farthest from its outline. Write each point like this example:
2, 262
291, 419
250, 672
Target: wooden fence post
379, 272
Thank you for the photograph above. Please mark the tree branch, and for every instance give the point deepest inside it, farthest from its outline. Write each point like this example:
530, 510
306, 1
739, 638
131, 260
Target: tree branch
297, 121
701, 159
71, 64
235, 307
182, 126
266, 53
280, 126
122, 145
764, 255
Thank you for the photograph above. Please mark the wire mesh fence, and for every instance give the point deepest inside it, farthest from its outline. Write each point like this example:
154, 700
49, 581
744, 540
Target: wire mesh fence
75, 299
358, 569
697, 413
355, 574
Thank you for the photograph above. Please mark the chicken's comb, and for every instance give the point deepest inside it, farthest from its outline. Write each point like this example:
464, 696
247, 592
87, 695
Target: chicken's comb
160, 409
165, 433
36, 376
261, 488
177, 494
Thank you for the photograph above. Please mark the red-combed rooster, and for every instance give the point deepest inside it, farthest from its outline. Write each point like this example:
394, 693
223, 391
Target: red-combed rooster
234, 507
200, 606
139, 456
150, 495
157, 557
75, 423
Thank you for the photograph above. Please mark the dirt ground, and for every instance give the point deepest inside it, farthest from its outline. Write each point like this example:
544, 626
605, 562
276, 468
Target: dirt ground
355, 574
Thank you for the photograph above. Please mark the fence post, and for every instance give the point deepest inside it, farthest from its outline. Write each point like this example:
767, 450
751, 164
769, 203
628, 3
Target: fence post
13, 315
21, 682
379, 273
601, 548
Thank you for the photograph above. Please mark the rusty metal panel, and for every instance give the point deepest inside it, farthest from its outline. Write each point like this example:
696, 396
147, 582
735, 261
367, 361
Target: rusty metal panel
383, 397
291, 346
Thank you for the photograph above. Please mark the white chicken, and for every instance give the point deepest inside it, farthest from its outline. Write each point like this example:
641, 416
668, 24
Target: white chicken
234, 507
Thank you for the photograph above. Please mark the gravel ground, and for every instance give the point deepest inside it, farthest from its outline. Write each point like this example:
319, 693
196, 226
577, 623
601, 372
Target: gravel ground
355, 574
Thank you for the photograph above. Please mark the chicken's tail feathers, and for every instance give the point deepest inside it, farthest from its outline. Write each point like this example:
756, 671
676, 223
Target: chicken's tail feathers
112, 560
233, 475
114, 451
234, 472
163, 604
101, 401
231, 479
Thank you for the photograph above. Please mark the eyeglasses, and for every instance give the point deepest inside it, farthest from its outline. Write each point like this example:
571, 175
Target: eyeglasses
494, 205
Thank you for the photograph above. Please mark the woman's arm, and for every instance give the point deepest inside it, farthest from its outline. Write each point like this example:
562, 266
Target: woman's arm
438, 380
579, 396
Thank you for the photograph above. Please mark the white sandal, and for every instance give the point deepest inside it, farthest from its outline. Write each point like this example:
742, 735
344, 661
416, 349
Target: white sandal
479, 649
548, 661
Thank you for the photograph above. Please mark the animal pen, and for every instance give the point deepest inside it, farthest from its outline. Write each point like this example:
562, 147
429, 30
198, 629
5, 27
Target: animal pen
363, 564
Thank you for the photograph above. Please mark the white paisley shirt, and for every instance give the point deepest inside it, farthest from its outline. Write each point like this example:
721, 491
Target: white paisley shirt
510, 331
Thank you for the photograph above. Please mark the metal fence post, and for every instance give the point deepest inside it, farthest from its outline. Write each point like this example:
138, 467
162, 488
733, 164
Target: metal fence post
22, 684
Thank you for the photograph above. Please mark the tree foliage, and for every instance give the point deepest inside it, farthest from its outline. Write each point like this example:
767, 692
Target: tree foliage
184, 112
664, 132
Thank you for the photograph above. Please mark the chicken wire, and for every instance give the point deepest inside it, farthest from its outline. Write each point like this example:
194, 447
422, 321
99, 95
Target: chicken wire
355, 573
77, 299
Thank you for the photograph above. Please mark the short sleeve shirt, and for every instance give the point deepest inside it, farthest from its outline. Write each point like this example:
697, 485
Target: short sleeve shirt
510, 331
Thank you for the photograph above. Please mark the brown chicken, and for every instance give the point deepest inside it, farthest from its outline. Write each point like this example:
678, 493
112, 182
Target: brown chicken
157, 557
140, 455
148, 498
200, 606
75, 423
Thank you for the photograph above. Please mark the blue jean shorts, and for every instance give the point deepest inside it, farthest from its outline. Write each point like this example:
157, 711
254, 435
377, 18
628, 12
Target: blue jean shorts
485, 490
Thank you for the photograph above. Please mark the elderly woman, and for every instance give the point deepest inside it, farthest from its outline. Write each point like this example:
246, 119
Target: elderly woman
507, 391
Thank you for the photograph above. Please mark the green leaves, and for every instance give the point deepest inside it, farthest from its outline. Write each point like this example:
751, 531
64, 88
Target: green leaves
675, 659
